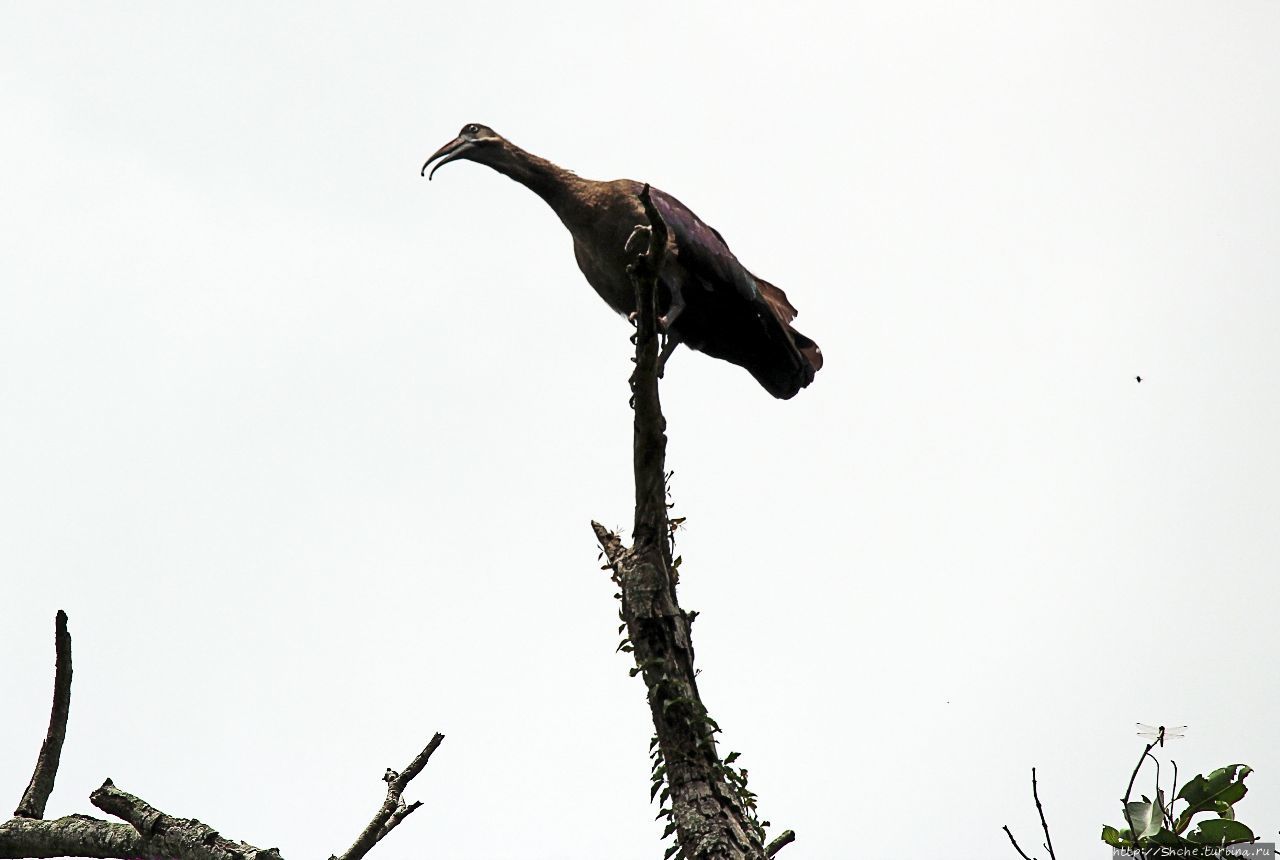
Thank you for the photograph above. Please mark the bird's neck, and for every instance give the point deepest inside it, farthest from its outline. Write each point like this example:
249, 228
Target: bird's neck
559, 187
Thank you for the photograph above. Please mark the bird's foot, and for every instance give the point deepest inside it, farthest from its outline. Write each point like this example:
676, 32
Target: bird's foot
674, 309
641, 234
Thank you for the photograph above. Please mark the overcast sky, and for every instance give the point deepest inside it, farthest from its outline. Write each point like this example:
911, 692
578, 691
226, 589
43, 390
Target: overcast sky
307, 447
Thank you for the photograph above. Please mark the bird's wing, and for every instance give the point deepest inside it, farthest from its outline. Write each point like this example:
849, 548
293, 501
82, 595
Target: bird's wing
702, 250
777, 300
782, 359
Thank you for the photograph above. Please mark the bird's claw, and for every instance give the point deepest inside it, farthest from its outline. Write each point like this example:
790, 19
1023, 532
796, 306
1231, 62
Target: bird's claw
642, 233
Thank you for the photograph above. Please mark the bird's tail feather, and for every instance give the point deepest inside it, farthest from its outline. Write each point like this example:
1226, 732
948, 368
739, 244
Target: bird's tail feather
784, 370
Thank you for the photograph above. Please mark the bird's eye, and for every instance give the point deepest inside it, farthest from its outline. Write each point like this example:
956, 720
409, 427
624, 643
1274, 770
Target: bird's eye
472, 129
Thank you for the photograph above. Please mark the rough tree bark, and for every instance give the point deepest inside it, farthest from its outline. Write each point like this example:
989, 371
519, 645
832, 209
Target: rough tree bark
708, 811
148, 832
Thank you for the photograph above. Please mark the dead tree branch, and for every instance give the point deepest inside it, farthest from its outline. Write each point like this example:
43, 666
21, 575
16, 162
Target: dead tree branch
41, 785
1016, 847
649, 440
783, 840
707, 811
1044, 825
393, 809
148, 832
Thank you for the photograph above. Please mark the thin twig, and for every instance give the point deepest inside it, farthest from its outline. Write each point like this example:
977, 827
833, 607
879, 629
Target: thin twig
1048, 841
1156, 794
1128, 792
784, 839
393, 809
46, 771
1016, 847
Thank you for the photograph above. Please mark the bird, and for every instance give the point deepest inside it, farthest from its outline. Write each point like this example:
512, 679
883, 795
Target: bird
1139, 378
707, 300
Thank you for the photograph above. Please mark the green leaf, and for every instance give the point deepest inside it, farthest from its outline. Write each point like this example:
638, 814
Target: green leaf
671, 828
653, 792
1112, 837
1224, 809
1145, 816
731, 757
1204, 794
673, 849
1165, 837
1220, 831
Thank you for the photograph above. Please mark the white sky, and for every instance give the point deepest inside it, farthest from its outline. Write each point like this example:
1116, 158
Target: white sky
308, 448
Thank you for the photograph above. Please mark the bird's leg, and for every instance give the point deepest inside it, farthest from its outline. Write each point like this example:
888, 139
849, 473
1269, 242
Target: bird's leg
673, 310
666, 320
671, 342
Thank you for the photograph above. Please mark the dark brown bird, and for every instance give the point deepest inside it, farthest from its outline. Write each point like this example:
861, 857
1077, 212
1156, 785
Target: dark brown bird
708, 300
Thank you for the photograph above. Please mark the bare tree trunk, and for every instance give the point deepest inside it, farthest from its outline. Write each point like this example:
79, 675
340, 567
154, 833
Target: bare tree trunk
711, 811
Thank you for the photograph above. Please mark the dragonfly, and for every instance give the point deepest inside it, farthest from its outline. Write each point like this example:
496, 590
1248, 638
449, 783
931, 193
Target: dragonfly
1160, 734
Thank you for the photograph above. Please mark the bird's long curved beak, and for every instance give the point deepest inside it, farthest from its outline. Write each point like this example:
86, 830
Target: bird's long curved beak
452, 150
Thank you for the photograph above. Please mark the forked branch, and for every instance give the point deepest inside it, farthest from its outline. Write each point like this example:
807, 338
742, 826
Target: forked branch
1044, 825
393, 809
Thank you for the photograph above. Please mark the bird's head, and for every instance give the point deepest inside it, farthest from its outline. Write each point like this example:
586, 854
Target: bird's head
475, 143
